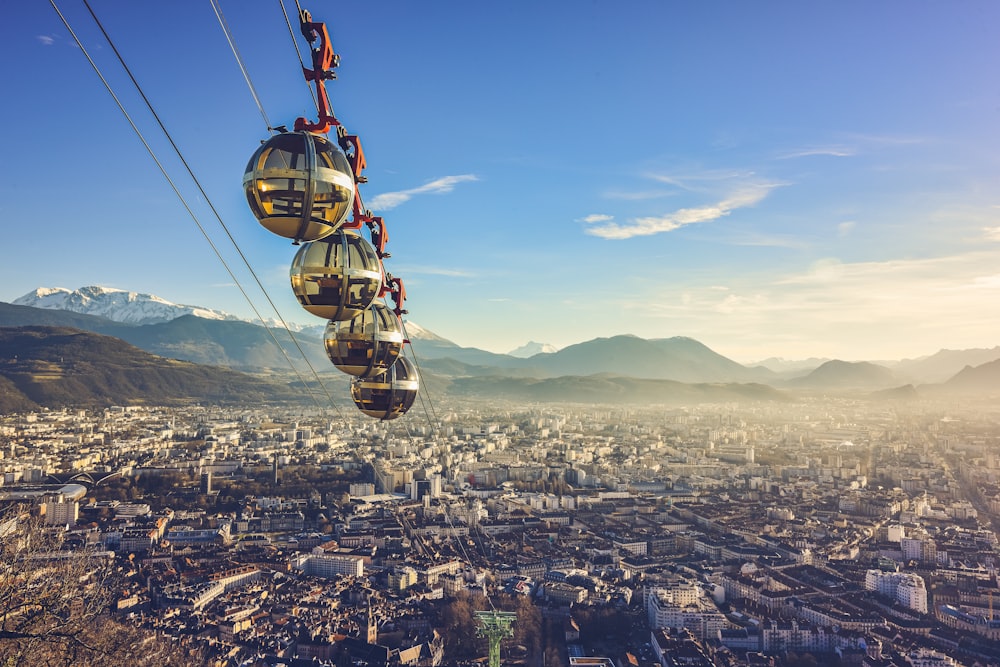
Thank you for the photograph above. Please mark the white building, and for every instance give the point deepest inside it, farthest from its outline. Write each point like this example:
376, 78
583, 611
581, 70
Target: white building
683, 605
919, 547
330, 566
60, 511
907, 588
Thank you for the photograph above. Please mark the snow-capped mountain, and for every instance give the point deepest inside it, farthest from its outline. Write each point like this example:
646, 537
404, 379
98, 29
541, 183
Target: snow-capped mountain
134, 308
115, 304
531, 348
416, 332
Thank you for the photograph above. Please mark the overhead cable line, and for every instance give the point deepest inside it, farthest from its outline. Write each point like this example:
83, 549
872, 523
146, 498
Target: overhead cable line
225, 228
169, 180
239, 61
295, 45
436, 422
465, 553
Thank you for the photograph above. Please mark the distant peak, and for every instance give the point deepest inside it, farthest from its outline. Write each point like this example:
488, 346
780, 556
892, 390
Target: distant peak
40, 292
414, 330
531, 348
97, 289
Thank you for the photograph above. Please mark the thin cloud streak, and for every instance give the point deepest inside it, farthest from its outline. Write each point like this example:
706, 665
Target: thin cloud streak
435, 271
831, 151
648, 226
595, 218
390, 200
687, 181
47, 40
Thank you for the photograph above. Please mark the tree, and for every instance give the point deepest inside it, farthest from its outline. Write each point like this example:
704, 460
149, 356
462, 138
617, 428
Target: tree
528, 629
459, 628
54, 604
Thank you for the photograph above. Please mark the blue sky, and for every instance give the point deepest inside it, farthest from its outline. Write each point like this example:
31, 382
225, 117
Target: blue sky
771, 178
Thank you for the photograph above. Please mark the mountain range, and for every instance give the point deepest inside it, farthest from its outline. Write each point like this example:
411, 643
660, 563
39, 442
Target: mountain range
619, 368
114, 304
56, 366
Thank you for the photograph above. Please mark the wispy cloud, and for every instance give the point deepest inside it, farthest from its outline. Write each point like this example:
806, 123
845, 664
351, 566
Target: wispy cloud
389, 200
845, 228
435, 271
595, 218
647, 226
829, 151
699, 180
47, 40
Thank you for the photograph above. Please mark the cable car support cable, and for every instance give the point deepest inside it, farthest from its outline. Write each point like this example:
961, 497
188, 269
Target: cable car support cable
222, 223
217, 8
303, 186
171, 182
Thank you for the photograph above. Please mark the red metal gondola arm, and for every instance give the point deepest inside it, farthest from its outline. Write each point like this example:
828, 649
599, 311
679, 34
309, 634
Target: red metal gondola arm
397, 291
323, 62
351, 144
380, 235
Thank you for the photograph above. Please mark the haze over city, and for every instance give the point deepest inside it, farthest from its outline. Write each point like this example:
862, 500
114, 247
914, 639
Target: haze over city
770, 179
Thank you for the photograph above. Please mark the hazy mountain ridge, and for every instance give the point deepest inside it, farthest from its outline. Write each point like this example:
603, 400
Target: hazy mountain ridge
56, 367
679, 358
838, 374
978, 379
791, 366
223, 343
232, 343
944, 364
241, 345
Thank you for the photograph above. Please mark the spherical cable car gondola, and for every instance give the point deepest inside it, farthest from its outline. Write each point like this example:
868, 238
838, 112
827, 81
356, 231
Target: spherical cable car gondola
367, 345
336, 277
302, 186
299, 185
389, 395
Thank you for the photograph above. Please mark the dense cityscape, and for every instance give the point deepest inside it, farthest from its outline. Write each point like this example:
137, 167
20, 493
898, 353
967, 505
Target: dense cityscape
826, 531
620, 182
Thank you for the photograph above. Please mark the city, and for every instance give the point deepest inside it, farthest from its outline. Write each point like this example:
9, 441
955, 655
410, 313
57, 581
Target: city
586, 203
823, 531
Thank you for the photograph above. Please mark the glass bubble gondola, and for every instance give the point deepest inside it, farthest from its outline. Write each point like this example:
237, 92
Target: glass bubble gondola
388, 395
299, 185
302, 186
367, 345
336, 277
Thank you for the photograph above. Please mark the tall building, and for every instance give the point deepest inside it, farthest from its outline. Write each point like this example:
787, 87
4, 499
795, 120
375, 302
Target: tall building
60, 511
907, 588
919, 547
362, 489
430, 487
